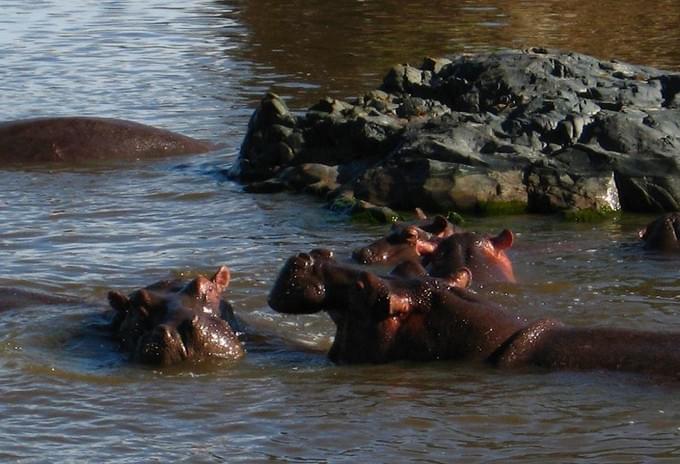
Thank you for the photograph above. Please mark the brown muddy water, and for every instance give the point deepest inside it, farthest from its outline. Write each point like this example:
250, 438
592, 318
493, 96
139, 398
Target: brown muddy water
199, 67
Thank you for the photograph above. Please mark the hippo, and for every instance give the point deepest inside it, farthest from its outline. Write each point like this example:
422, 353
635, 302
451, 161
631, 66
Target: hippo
406, 241
383, 319
663, 233
83, 139
16, 298
483, 255
315, 281
172, 321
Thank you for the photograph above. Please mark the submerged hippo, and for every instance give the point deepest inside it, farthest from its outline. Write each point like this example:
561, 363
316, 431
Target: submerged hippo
381, 319
663, 233
406, 241
15, 298
172, 321
81, 139
483, 255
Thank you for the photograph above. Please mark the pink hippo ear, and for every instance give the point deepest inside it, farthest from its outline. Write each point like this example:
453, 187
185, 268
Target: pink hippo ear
119, 302
503, 240
222, 277
642, 233
462, 278
426, 247
420, 214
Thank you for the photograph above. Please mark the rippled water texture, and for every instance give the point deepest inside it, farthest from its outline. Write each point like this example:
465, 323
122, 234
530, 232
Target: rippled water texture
199, 67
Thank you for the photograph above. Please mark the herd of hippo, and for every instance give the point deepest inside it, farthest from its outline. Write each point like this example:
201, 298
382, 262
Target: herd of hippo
424, 309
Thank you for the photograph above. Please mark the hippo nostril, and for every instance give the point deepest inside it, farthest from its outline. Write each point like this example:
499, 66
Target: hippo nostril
362, 255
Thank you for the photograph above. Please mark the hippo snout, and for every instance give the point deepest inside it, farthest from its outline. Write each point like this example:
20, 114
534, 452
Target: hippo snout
163, 346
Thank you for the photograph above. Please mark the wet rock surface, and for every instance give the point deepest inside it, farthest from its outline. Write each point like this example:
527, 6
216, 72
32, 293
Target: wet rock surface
531, 130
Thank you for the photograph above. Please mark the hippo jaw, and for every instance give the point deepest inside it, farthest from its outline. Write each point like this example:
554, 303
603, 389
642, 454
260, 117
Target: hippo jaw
197, 339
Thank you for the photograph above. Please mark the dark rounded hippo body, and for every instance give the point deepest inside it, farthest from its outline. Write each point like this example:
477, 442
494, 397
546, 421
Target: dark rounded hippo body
663, 234
173, 321
409, 316
82, 139
315, 281
15, 298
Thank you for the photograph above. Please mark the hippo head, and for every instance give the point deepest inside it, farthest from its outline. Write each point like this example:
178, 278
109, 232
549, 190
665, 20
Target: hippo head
484, 256
172, 321
300, 287
663, 233
404, 243
384, 319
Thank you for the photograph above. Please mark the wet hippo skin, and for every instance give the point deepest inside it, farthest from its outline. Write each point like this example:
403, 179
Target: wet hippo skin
315, 281
172, 321
407, 317
82, 139
15, 298
483, 255
406, 241
662, 234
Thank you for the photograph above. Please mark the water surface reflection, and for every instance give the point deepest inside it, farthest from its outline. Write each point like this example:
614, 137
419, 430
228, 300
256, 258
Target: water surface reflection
310, 49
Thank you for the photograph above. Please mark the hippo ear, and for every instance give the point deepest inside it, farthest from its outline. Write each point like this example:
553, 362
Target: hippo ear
426, 247
439, 225
118, 301
462, 278
420, 214
222, 277
144, 297
503, 240
141, 299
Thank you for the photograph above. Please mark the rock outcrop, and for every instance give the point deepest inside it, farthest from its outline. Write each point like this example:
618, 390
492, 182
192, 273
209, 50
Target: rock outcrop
532, 130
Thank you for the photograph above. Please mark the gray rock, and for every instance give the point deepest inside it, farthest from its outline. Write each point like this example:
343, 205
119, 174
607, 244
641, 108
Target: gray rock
534, 129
